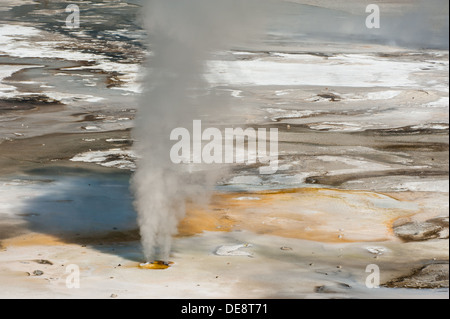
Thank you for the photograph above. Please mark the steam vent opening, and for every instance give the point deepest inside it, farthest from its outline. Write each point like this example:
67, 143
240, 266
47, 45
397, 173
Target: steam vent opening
156, 265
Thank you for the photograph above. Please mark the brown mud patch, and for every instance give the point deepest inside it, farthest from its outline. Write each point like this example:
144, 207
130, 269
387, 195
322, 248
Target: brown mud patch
29, 102
38, 152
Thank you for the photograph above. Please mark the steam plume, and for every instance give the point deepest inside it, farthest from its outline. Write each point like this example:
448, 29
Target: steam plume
182, 34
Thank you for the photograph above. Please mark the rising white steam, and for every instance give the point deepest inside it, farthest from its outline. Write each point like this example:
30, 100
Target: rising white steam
182, 35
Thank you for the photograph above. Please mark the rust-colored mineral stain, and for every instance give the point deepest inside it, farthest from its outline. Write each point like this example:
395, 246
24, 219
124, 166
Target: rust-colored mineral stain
199, 220
307, 213
156, 265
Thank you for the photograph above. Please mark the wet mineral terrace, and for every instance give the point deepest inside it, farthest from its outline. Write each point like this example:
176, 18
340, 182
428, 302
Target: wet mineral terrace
362, 179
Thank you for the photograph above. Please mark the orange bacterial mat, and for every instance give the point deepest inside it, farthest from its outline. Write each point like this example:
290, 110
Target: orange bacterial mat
156, 265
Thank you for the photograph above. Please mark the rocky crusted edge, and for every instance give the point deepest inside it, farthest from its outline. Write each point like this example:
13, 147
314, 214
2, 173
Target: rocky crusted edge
433, 275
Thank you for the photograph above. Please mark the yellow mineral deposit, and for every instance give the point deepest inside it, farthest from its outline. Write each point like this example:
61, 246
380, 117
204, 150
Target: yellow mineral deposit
156, 265
32, 239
